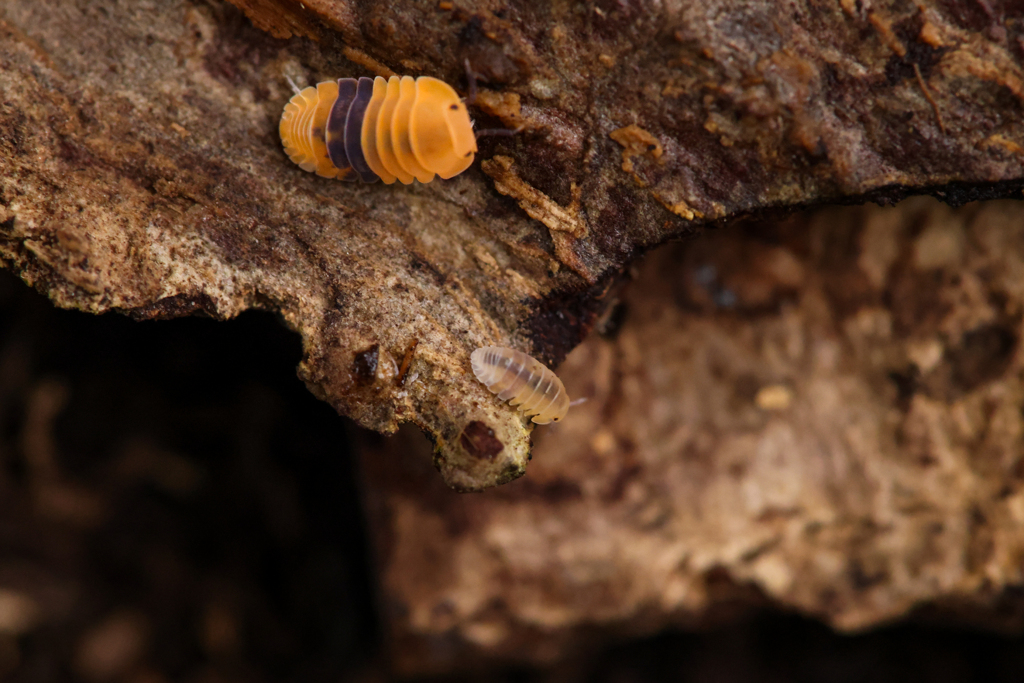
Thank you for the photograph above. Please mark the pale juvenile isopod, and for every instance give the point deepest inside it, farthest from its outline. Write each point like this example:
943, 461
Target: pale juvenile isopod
402, 128
522, 381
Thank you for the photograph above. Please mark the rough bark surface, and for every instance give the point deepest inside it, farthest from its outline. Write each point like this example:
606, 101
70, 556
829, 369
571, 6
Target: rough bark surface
140, 170
824, 413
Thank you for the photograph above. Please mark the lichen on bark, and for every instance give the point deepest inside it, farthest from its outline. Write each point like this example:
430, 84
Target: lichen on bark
140, 170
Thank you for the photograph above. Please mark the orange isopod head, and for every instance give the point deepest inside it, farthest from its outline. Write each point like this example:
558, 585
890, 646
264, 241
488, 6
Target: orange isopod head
461, 128
440, 130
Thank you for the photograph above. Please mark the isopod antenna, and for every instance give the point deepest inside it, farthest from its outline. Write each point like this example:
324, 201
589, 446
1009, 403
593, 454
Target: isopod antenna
507, 132
471, 77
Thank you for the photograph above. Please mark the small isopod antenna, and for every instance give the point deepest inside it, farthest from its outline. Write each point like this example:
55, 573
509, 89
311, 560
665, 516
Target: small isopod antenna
472, 77
295, 88
507, 132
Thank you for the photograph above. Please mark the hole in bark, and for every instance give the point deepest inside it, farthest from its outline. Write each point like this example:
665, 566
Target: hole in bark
983, 356
479, 441
907, 383
364, 367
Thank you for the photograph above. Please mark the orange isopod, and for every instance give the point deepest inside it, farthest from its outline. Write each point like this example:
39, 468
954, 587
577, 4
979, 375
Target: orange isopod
523, 381
402, 128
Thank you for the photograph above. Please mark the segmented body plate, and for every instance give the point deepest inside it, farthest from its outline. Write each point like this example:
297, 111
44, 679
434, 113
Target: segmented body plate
523, 381
402, 129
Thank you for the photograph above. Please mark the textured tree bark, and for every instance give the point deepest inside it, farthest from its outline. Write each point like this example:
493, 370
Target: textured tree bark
140, 170
823, 415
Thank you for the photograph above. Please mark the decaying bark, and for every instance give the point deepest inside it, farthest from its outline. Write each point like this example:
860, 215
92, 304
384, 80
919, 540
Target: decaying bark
824, 414
140, 170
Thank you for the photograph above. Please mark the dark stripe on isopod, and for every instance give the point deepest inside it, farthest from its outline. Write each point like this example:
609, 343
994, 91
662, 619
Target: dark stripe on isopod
354, 131
336, 126
400, 129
